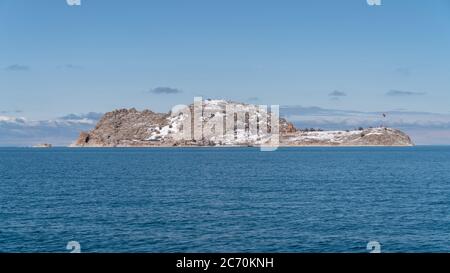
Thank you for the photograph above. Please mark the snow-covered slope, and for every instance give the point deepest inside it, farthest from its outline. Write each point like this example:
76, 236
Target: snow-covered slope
214, 129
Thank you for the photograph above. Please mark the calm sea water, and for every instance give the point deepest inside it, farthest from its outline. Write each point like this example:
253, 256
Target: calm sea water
225, 199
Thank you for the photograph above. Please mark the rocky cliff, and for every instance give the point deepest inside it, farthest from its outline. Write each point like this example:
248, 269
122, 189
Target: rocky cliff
124, 127
133, 128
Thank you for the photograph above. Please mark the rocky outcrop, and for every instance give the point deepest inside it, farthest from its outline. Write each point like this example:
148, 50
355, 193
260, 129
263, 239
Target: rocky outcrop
43, 145
132, 128
367, 137
122, 128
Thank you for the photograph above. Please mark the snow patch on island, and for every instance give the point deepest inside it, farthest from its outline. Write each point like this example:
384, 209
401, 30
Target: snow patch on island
214, 111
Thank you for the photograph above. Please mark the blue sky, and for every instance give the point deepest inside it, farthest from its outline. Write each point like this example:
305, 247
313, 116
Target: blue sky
57, 59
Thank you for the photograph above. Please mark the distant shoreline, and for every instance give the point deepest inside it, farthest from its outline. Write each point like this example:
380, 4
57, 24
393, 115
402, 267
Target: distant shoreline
218, 147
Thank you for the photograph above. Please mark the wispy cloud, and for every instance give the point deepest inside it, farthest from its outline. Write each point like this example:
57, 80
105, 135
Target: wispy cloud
73, 66
398, 93
11, 112
253, 99
403, 71
165, 90
337, 93
93, 116
17, 67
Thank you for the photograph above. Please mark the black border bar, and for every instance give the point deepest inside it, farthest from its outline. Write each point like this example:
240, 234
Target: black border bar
234, 262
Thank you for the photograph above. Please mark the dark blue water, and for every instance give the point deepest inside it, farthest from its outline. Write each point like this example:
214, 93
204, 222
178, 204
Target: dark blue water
225, 200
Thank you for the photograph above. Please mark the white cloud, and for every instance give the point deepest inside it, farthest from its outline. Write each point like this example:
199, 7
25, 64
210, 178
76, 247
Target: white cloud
8, 119
18, 131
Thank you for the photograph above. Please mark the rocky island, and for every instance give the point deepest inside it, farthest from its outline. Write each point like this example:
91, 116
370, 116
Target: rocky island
43, 145
216, 125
